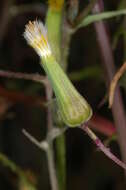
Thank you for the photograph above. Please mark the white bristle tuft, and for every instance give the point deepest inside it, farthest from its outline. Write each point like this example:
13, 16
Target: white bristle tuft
36, 36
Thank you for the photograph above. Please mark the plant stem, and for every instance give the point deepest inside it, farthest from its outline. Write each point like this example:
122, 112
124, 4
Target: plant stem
54, 26
61, 161
26, 76
101, 146
108, 65
47, 146
49, 152
51, 167
114, 82
85, 12
54, 20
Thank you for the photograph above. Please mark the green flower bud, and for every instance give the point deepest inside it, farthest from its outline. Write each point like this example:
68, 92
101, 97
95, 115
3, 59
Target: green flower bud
73, 108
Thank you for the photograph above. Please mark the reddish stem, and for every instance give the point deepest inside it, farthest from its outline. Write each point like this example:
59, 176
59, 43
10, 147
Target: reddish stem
101, 146
109, 67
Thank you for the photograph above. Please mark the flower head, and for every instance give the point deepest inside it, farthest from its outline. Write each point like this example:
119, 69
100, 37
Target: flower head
36, 36
73, 108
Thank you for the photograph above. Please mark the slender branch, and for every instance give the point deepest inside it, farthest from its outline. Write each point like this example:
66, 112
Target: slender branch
47, 147
108, 64
51, 167
114, 83
101, 146
51, 136
43, 145
85, 12
49, 152
26, 76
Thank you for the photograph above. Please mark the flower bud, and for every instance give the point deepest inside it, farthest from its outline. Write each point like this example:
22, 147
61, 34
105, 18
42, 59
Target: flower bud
73, 108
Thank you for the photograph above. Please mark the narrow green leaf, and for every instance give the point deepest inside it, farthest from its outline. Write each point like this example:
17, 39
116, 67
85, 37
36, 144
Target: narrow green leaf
101, 16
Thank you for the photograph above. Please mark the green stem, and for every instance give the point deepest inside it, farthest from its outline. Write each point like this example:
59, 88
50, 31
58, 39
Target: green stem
54, 27
53, 23
61, 161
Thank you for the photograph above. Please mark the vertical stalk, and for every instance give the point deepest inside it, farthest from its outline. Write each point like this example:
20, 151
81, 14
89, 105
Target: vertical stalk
54, 26
54, 20
109, 67
61, 161
51, 167
49, 151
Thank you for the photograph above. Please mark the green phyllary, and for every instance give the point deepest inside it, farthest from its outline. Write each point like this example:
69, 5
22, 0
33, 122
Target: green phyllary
73, 108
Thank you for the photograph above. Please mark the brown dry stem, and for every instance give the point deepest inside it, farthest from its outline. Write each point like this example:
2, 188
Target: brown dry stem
114, 83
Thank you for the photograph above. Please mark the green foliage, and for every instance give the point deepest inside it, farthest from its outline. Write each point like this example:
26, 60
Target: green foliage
101, 16
73, 108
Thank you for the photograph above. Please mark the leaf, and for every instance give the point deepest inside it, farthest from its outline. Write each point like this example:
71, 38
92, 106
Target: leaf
100, 16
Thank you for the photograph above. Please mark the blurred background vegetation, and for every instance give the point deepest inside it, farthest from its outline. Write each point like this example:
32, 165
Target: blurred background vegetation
21, 102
